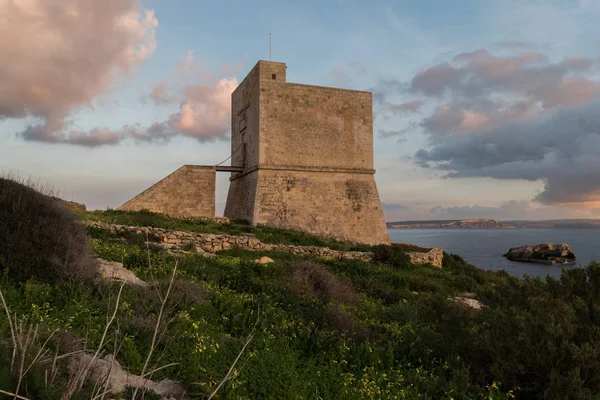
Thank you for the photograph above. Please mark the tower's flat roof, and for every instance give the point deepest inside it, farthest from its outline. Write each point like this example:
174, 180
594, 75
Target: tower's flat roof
259, 62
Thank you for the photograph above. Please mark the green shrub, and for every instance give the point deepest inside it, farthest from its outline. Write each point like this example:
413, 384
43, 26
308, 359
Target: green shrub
411, 247
314, 281
189, 247
392, 255
40, 237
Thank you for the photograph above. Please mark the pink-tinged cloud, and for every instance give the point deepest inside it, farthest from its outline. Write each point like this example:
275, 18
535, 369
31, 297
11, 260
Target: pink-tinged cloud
205, 114
530, 76
204, 106
465, 116
160, 96
484, 64
570, 92
56, 57
481, 91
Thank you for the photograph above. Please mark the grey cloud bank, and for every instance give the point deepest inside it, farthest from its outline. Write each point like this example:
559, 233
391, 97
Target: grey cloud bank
511, 117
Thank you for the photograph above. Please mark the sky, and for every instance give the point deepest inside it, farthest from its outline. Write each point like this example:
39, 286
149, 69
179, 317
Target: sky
482, 109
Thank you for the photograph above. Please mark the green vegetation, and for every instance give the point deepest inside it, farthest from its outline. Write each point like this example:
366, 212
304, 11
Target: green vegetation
39, 237
263, 233
392, 255
314, 328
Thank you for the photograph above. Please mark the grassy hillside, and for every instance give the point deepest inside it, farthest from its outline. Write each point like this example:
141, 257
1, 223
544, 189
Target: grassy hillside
263, 233
312, 328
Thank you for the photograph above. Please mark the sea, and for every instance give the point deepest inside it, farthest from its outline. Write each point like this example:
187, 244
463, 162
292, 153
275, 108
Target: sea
484, 248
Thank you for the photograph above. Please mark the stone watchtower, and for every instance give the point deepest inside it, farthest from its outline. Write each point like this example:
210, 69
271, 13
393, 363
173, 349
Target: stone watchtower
305, 156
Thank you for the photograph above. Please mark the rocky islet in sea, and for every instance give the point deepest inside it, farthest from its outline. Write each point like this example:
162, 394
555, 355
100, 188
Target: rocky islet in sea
545, 253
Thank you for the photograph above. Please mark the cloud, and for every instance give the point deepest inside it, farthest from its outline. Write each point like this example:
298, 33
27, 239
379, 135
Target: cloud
561, 150
55, 59
399, 134
387, 107
510, 210
518, 117
479, 90
93, 138
387, 88
513, 45
528, 74
205, 114
342, 75
408, 107
159, 95
465, 115
393, 206
204, 106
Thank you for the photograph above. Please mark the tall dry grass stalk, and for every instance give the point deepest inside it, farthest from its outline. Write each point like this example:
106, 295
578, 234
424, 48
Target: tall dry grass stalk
156, 329
24, 338
230, 374
12, 331
78, 381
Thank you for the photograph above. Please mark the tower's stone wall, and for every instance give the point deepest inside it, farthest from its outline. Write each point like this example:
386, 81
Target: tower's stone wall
343, 205
312, 126
303, 160
307, 158
241, 197
189, 192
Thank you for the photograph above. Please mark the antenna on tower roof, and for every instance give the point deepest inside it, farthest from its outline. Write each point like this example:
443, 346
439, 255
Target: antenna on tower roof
269, 46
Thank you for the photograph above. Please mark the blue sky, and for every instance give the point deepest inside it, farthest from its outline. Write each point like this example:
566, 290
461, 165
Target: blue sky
448, 141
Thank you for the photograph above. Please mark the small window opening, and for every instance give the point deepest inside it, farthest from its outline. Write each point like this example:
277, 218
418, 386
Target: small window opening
244, 150
273, 76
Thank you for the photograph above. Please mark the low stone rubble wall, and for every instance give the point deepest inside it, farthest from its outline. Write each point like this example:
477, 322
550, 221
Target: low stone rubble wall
218, 220
212, 243
433, 257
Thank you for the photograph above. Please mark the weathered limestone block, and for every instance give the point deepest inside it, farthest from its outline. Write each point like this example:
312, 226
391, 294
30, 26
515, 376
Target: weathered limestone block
114, 271
469, 300
264, 260
107, 370
433, 257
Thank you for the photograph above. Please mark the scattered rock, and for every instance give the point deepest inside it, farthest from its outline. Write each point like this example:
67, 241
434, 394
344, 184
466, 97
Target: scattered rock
109, 370
114, 271
545, 253
264, 260
473, 303
469, 300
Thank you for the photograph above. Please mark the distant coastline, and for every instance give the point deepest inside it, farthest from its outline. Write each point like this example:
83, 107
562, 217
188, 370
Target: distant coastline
486, 223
